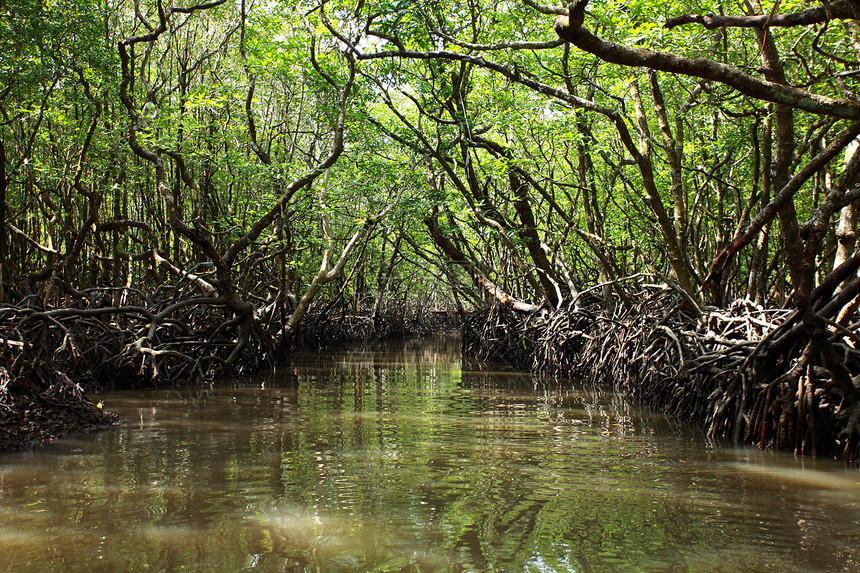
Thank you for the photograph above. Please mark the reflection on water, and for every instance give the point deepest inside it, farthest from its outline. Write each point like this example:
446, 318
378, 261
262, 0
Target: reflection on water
405, 459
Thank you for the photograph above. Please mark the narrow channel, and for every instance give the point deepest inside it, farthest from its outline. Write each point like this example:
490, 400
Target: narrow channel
407, 458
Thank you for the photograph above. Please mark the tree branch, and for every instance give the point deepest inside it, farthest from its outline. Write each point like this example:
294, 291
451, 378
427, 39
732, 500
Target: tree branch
570, 28
770, 210
841, 10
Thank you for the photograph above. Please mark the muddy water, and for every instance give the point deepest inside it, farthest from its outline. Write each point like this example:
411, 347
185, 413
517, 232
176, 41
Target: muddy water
405, 459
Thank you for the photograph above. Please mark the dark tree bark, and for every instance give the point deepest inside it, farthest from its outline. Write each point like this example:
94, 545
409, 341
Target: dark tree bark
4, 184
570, 28
842, 10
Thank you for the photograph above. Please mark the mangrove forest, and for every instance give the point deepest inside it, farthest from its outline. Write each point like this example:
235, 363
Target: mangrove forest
659, 199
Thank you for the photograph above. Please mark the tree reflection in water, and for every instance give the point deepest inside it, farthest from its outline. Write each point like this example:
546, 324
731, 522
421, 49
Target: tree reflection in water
402, 458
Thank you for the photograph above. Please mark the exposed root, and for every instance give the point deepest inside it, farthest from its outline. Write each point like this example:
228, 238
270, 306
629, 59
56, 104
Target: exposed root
39, 404
337, 324
737, 373
42, 351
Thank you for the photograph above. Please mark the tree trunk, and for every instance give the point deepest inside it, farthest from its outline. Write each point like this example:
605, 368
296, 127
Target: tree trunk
383, 277
677, 258
846, 232
674, 150
757, 285
4, 183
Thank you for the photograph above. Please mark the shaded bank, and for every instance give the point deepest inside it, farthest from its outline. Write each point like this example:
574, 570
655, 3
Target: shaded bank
34, 410
44, 370
50, 359
745, 373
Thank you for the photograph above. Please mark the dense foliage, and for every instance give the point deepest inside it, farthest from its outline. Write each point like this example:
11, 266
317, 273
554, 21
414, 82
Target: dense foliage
481, 136
242, 159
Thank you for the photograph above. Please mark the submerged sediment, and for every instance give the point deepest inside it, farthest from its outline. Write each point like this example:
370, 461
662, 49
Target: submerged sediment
745, 373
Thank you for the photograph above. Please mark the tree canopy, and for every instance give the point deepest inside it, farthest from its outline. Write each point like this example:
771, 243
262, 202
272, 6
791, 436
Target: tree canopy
249, 158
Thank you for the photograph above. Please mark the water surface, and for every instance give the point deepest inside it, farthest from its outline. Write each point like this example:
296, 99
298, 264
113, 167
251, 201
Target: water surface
405, 459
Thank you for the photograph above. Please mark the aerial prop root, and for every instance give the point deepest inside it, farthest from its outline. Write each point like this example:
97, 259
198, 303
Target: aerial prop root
711, 368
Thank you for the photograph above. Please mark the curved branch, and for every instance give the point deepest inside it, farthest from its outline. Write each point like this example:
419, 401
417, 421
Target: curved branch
570, 28
502, 45
337, 147
842, 10
770, 210
459, 257
643, 161
544, 9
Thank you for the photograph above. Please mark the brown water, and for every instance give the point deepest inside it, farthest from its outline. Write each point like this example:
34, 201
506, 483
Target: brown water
404, 459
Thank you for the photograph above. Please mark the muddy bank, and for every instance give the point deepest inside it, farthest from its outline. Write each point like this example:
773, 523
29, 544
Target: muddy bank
33, 415
745, 373
45, 371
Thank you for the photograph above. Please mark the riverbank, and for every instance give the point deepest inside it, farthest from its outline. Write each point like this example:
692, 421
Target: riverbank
744, 373
51, 359
45, 373
31, 416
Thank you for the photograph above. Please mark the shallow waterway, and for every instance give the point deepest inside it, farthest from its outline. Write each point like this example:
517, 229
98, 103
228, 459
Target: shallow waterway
406, 458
